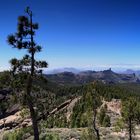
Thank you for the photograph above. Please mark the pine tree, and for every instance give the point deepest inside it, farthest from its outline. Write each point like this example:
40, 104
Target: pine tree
96, 102
129, 114
24, 39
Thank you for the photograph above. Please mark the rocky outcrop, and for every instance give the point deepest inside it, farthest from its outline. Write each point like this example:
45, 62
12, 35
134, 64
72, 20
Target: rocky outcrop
16, 121
114, 106
10, 121
113, 109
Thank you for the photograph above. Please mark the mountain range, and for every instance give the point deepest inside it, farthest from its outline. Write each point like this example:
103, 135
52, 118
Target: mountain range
83, 77
78, 70
60, 70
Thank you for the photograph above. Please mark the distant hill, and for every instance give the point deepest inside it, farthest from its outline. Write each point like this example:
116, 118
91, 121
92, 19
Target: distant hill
130, 71
60, 70
106, 76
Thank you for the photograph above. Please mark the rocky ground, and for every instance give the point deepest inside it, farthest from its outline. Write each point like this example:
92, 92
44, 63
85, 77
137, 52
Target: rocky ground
16, 121
79, 133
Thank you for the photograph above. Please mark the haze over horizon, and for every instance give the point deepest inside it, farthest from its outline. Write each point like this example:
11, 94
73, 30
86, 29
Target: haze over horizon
78, 33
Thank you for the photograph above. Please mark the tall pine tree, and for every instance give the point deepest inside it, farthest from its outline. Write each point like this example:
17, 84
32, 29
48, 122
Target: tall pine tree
24, 39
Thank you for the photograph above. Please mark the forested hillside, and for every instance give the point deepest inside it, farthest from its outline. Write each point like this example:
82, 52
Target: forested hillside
87, 108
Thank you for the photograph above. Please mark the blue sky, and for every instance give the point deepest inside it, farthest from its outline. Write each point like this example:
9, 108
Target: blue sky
78, 33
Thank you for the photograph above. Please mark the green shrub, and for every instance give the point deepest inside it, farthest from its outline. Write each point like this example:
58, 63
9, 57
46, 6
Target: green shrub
119, 125
51, 136
88, 134
104, 119
24, 113
17, 134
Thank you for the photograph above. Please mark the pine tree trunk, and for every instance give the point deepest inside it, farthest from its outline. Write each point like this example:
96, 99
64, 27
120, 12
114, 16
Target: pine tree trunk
94, 125
34, 122
32, 111
130, 129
